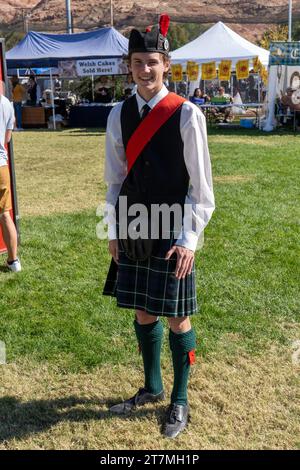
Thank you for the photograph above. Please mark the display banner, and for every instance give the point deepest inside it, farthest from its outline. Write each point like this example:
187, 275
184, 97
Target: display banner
264, 75
257, 65
242, 69
284, 53
225, 70
209, 71
192, 70
176, 70
91, 67
14, 211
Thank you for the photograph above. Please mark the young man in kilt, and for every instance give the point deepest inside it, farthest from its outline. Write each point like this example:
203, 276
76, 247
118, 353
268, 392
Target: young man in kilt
172, 167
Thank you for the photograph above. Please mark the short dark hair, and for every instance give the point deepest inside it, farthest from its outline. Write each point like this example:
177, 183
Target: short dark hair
166, 58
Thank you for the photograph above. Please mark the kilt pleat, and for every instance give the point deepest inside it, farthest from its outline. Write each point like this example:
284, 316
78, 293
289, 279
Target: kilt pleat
151, 285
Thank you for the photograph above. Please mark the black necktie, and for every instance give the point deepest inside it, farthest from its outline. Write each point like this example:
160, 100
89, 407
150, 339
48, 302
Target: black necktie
145, 111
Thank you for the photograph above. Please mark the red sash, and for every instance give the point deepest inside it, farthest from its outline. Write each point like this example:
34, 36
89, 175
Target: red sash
150, 125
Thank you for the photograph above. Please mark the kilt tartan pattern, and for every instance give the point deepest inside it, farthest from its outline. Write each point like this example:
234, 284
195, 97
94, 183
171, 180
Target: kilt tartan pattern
151, 285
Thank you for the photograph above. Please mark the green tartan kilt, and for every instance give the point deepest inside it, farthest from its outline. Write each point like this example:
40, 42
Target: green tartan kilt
151, 285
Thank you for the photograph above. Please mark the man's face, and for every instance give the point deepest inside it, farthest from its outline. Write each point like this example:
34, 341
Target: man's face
147, 70
221, 91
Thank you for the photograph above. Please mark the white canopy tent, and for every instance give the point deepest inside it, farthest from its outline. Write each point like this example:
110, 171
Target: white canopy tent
218, 43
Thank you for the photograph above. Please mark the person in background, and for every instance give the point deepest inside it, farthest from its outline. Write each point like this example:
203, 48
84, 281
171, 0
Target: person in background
222, 98
32, 90
57, 85
104, 90
198, 97
289, 107
129, 87
18, 96
286, 100
38, 94
9, 231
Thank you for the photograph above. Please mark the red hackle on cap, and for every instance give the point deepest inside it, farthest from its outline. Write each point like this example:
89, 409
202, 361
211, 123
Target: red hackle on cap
148, 29
164, 22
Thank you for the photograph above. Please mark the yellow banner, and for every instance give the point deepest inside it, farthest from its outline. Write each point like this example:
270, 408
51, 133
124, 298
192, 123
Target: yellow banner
189, 65
176, 70
192, 70
257, 65
264, 75
209, 71
242, 69
225, 70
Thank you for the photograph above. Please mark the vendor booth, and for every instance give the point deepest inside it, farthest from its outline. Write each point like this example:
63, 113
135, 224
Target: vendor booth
219, 43
284, 84
218, 52
14, 212
90, 54
37, 113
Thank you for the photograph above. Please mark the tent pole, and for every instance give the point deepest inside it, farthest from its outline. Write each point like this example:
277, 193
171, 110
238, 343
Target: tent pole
290, 19
111, 13
52, 100
258, 89
271, 99
69, 17
285, 82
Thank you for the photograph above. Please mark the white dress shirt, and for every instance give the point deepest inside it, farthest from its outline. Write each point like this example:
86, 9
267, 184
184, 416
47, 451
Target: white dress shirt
200, 197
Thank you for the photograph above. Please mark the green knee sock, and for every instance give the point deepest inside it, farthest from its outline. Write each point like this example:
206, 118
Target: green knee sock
181, 344
150, 341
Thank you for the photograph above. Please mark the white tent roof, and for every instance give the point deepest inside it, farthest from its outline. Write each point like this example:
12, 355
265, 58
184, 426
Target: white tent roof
217, 43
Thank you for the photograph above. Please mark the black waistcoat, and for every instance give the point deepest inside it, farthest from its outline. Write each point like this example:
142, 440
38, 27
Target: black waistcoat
159, 174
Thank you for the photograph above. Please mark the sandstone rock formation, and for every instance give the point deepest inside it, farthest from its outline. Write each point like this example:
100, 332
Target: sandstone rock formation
248, 17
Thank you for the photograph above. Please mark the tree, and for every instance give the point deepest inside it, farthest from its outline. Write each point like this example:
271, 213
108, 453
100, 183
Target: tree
277, 33
11, 38
296, 31
181, 33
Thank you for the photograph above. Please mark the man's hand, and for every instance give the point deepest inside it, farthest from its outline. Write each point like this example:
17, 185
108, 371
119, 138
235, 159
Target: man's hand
114, 250
185, 260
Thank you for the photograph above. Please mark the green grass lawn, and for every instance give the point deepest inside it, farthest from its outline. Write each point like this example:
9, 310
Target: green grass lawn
247, 272
71, 352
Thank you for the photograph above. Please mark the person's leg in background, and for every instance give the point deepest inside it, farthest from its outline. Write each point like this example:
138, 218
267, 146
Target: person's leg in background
9, 231
10, 238
18, 114
228, 114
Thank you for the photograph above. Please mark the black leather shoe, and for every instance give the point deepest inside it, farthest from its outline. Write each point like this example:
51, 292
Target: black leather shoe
176, 421
140, 398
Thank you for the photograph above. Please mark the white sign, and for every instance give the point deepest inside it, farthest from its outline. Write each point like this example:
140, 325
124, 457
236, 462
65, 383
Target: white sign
86, 68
